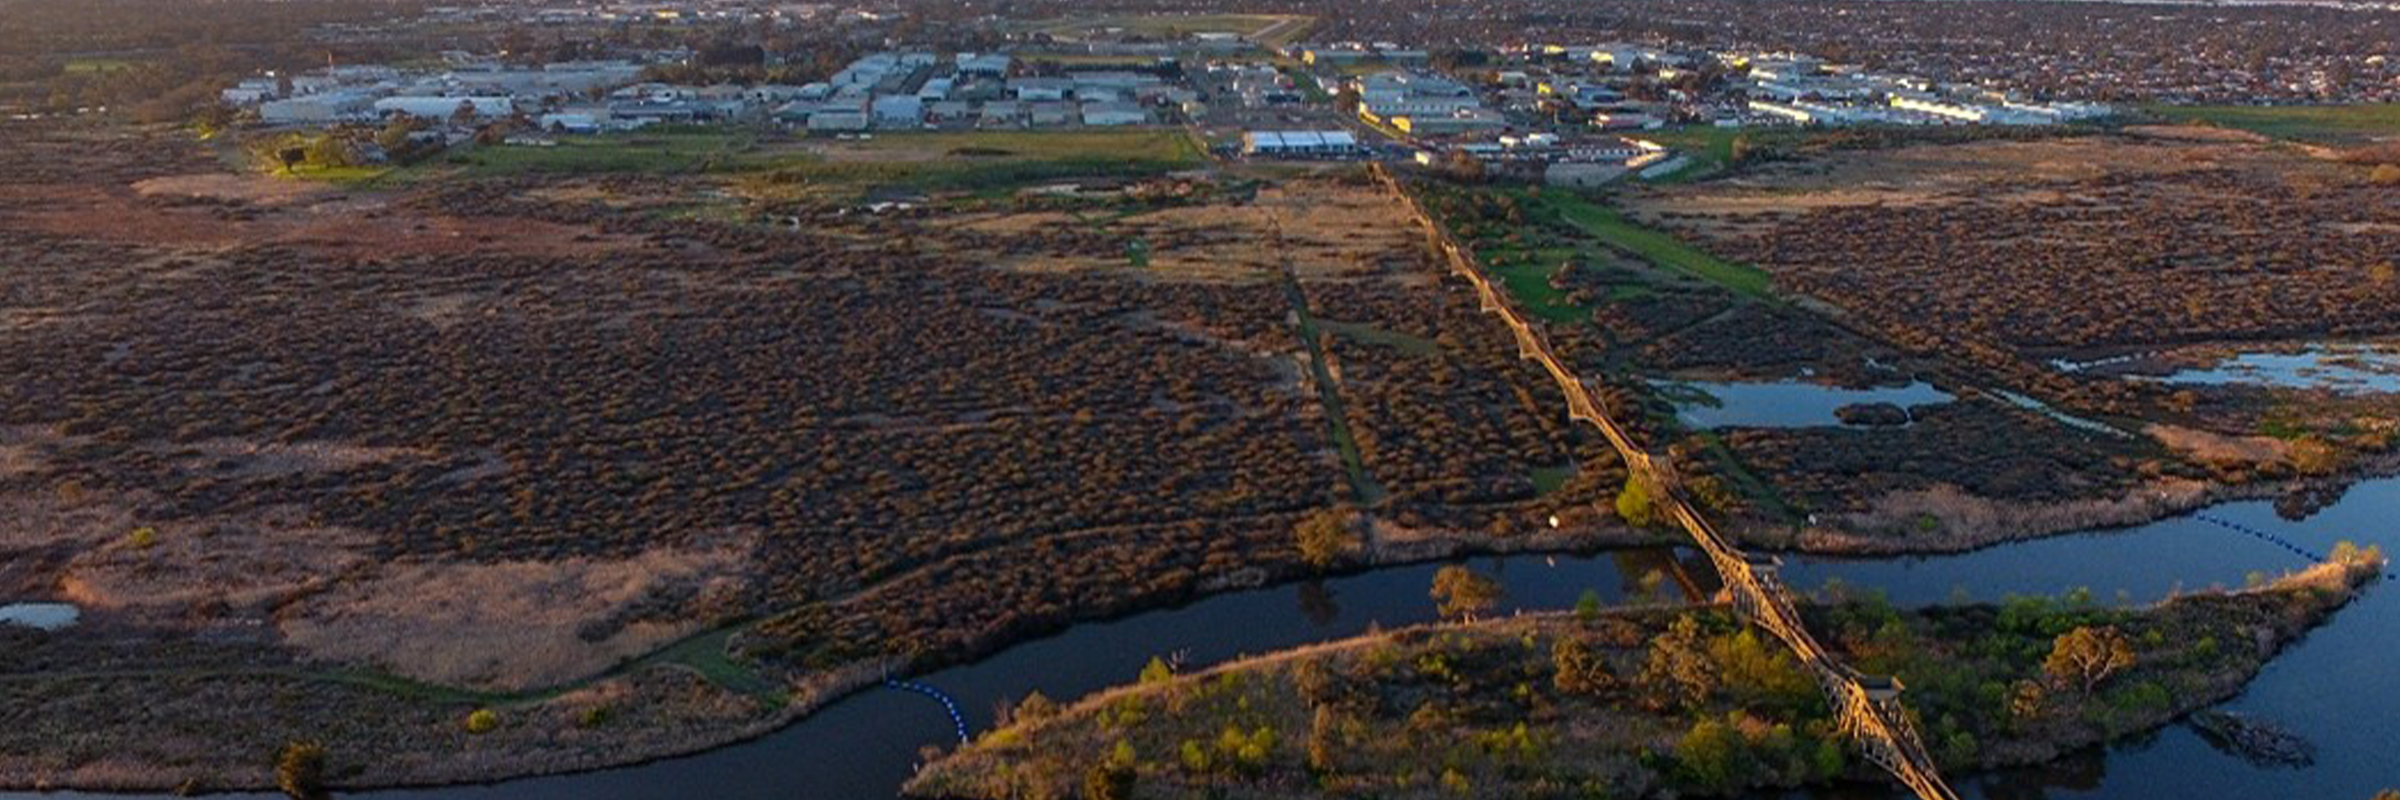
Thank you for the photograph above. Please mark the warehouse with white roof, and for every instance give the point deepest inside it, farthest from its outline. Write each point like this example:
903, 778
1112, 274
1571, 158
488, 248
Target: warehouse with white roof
1299, 144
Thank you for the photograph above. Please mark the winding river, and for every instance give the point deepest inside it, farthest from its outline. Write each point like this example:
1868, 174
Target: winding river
2335, 687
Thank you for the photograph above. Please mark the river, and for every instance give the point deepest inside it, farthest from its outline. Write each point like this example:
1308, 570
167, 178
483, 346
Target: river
2333, 687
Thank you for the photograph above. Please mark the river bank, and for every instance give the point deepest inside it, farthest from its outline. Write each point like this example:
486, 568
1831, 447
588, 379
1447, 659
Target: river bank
1539, 705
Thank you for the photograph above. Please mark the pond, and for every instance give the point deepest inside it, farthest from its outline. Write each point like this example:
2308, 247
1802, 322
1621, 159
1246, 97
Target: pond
2342, 367
2352, 369
1782, 404
46, 616
2332, 687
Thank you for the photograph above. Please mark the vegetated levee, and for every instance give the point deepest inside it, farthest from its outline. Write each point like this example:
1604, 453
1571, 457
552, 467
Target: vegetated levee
642, 466
1646, 702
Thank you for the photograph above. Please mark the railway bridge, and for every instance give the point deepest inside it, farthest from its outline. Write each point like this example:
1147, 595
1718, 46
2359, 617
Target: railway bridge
1867, 707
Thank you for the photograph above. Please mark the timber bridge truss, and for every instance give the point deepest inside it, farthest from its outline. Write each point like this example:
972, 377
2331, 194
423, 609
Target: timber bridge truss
1867, 708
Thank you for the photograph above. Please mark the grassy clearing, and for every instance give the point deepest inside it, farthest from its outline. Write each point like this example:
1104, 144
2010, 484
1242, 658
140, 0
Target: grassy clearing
982, 162
1709, 148
334, 174
1762, 496
2348, 124
946, 161
1369, 334
1526, 276
1659, 248
646, 152
1364, 490
1549, 479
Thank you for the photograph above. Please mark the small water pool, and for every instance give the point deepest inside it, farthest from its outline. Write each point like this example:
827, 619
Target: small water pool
2352, 369
1782, 404
46, 616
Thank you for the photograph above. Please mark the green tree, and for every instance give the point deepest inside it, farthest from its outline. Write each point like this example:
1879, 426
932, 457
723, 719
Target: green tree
1711, 755
484, 720
2086, 656
1678, 668
300, 771
1587, 607
1034, 708
1323, 536
1157, 671
329, 151
1633, 504
1463, 593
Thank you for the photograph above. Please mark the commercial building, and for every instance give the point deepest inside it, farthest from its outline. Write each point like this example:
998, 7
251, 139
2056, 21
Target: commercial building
1299, 144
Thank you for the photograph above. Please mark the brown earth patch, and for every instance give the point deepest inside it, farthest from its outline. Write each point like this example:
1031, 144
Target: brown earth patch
255, 189
511, 625
2218, 448
204, 569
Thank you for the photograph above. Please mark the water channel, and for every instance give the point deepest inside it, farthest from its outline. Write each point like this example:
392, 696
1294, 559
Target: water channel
2334, 687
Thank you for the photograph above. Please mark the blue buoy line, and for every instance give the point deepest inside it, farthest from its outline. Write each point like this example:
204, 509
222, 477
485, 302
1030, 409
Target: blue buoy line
2266, 537
957, 719
2262, 535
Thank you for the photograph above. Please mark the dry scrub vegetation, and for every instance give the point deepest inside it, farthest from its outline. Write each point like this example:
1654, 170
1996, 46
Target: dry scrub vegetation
503, 435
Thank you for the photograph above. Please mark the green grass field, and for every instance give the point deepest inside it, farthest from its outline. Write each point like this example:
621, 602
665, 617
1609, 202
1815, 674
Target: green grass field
1659, 248
657, 152
335, 174
1526, 276
943, 161
2349, 124
1548, 479
986, 161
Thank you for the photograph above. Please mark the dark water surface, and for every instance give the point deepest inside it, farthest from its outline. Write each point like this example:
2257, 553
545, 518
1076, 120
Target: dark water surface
2340, 687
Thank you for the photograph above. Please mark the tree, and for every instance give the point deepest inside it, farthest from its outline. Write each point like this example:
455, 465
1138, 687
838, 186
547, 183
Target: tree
1678, 667
1324, 739
1711, 754
2088, 655
1633, 504
484, 720
394, 136
1463, 593
2385, 174
329, 151
2314, 455
1034, 708
1157, 671
2026, 702
1575, 669
1323, 536
1113, 778
1587, 607
300, 771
